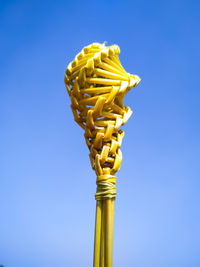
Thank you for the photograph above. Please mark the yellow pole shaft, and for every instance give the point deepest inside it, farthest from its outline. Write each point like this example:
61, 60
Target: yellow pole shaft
109, 232
103, 226
97, 239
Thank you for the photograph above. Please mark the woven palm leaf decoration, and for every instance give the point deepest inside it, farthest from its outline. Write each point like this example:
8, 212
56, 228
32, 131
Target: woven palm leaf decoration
97, 83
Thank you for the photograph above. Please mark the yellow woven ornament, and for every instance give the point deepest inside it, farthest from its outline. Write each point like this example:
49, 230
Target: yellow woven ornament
97, 83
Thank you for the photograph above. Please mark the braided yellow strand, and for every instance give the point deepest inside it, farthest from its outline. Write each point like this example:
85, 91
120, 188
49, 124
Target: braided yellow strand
97, 83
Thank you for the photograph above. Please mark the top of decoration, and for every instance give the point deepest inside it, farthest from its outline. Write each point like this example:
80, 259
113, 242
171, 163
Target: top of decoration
97, 83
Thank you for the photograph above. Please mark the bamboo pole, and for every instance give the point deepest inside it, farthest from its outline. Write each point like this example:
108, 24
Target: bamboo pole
103, 224
97, 240
112, 234
109, 232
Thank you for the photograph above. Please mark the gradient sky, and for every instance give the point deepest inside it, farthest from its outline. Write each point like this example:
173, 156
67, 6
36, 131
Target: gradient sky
47, 206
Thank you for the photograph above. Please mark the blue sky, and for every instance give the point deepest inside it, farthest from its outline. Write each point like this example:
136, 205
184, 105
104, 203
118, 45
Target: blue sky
47, 205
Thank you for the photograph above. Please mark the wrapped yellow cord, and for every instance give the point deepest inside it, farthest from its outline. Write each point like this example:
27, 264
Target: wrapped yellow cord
97, 83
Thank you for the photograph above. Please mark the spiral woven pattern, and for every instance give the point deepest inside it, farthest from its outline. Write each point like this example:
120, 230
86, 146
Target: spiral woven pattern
97, 83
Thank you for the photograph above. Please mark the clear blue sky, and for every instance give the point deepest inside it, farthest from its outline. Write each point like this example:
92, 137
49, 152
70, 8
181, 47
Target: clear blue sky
47, 187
